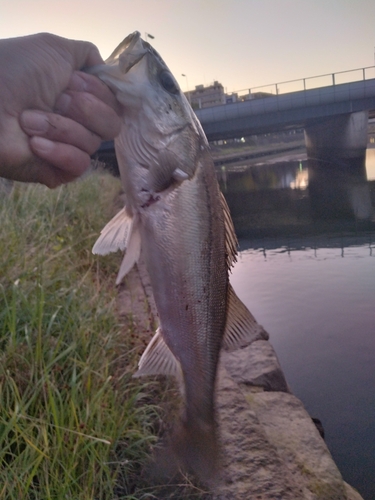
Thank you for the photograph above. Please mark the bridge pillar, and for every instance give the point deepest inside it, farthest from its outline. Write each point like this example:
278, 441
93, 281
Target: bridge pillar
336, 150
338, 138
339, 193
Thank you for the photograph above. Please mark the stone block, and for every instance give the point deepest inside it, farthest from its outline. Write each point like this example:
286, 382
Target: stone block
256, 365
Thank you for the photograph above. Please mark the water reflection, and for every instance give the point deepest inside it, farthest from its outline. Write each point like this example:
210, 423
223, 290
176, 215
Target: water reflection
339, 191
340, 245
302, 179
301, 196
306, 271
370, 164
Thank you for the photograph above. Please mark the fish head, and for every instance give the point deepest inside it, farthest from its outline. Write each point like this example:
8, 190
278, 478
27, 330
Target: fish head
160, 129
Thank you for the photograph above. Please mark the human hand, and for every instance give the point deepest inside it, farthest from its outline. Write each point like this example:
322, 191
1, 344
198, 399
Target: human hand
52, 116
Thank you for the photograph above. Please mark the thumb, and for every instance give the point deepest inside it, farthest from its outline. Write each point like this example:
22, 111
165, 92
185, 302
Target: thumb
80, 53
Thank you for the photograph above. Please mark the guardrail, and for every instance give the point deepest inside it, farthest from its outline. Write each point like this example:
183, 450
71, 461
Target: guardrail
311, 82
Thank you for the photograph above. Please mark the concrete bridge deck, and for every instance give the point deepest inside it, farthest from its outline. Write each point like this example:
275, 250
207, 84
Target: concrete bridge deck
291, 110
334, 116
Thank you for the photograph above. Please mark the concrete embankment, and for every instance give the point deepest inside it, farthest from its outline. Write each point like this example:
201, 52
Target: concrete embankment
251, 155
271, 447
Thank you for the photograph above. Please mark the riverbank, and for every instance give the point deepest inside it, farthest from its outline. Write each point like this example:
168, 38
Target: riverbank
232, 157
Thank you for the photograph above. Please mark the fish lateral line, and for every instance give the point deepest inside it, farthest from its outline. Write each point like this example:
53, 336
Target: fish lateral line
241, 330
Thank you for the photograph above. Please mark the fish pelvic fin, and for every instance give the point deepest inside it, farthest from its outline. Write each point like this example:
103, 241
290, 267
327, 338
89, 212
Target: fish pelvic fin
121, 233
241, 327
158, 359
192, 447
132, 253
115, 235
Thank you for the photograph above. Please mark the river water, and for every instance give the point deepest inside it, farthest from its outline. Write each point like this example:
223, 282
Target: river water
306, 270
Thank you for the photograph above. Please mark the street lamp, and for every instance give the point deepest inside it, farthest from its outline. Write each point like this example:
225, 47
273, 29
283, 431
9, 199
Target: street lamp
187, 87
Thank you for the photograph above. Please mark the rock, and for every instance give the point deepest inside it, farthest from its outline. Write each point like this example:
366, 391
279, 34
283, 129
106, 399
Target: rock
252, 468
271, 448
318, 424
133, 302
257, 365
351, 493
291, 431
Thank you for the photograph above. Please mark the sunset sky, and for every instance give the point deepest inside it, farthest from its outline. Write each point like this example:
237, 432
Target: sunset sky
241, 43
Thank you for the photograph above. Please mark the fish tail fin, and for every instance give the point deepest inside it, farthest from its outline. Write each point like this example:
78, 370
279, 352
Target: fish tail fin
197, 447
191, 447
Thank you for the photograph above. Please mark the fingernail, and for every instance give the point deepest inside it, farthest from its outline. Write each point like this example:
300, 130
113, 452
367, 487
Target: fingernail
41, 145
34, 121
63, 103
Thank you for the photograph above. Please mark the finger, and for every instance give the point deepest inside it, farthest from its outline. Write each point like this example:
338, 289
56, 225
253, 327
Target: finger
80, 53
68, 161
39, 170
59, 128
85, 54
90, 112
84, 82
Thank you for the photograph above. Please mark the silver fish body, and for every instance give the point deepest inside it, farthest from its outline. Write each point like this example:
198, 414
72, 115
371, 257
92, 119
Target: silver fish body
176, 214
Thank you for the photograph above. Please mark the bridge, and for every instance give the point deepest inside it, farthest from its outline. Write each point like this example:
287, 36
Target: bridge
333, 109
312, 99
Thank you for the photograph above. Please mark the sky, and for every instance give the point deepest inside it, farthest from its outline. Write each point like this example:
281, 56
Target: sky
241, 43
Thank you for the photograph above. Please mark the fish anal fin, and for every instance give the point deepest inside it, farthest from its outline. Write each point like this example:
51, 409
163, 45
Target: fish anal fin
115, 235
241, 327
158, 359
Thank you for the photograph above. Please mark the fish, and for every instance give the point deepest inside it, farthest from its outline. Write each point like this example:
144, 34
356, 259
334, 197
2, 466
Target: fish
175, 217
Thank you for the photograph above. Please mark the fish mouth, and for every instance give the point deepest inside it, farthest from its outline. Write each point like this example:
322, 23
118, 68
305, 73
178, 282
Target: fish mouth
129, 52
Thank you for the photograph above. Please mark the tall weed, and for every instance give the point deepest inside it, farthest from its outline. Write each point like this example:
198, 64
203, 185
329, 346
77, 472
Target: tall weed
70, 414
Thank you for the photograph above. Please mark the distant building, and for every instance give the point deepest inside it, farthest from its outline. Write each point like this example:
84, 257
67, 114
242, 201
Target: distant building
230, 98
205, 97
213, 95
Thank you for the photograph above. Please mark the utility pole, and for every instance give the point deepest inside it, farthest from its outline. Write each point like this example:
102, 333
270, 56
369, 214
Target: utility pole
187, 87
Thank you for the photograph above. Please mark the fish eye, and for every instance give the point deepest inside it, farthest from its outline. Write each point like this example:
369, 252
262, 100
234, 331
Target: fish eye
168, 82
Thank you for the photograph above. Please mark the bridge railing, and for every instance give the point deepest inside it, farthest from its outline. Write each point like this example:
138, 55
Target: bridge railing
311, 82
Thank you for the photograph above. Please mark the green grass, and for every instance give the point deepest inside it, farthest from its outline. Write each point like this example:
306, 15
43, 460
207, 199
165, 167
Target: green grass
72, 422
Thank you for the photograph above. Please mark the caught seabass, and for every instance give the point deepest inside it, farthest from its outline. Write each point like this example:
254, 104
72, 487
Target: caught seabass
176, 216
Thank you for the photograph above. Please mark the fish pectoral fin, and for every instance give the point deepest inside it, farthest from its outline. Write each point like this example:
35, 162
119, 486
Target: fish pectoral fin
133, 251
177, 160
241, 328
158, 359
179, 175
162, 172
115, 235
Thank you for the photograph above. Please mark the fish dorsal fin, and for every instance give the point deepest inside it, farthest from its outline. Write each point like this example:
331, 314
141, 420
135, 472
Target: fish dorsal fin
241, 328
115, 235
231, 242
158, 359
132, 253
